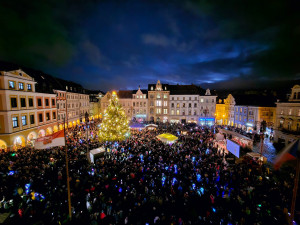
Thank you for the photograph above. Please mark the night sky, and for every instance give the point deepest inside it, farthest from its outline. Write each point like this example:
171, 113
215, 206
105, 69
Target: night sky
122, 44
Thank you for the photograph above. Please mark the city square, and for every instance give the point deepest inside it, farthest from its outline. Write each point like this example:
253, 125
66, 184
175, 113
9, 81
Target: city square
149, 112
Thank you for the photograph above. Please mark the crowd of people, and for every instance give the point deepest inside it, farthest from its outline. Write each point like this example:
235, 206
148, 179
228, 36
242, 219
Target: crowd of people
141, 181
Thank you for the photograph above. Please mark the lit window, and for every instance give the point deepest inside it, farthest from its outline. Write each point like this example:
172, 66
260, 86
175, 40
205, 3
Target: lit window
201, 100
178, 105
172, 111
24, 121
158, 103
177, 112
11, 84
158, 96
165, 103
158, 111
21, 86
165, 111
15, 121
290, 111
165, 96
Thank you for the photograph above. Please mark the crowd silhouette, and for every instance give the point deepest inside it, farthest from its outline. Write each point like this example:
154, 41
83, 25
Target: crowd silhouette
141, 181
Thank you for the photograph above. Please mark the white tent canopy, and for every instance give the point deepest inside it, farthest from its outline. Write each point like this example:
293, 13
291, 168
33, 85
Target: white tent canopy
95, 152
167, 138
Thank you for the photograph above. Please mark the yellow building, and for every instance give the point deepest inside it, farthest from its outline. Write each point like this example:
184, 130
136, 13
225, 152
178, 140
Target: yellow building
220, 112
267, 114
22, 119
225, 111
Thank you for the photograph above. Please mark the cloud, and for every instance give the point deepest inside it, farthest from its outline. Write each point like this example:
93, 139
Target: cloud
158, 40
94, 55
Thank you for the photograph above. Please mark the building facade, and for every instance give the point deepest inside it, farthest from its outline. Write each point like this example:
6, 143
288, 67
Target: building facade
158, 106
167, 103
287, 125
225, 111
94, 104
61, 97
24, 113
139, 105
207, 108
189, 104
184, 108
251, 118
125, 98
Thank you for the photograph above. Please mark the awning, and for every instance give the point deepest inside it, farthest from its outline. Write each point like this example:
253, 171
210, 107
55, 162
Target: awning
234, 134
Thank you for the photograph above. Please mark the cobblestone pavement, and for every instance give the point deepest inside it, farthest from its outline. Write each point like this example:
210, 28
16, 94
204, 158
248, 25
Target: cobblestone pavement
268, 150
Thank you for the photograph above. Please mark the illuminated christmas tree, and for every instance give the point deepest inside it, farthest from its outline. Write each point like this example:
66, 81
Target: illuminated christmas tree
114, 125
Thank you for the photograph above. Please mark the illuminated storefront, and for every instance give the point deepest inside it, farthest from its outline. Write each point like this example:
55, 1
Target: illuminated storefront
206, 121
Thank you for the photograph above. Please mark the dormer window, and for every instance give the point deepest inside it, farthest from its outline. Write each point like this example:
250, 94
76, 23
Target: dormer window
66, 87
20, 74
165, 88
151, 88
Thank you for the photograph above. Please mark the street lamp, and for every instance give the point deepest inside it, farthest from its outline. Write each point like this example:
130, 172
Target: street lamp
87, 130
67, 170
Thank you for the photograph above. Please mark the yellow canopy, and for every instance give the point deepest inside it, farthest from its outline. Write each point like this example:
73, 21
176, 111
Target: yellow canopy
168, 138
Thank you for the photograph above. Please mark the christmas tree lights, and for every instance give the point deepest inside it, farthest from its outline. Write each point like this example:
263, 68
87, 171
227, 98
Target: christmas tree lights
114, 126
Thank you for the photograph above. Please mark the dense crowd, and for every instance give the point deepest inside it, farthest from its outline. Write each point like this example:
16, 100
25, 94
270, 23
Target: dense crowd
141, 181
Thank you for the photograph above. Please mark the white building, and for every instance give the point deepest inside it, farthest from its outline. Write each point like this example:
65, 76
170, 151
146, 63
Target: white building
167, 103
139, 105
287, 125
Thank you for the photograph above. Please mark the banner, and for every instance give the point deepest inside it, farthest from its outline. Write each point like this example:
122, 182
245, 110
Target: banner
56, 139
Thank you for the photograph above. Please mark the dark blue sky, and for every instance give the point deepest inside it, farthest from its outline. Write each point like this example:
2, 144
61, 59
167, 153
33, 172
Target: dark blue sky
122, 44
